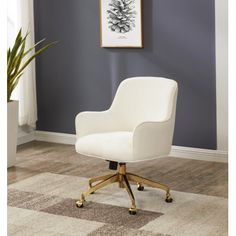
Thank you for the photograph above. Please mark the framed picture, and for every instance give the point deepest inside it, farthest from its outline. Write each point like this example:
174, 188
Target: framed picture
121, 23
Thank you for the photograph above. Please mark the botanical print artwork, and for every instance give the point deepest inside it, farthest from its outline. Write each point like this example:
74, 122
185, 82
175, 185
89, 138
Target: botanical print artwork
121, 23
121, 16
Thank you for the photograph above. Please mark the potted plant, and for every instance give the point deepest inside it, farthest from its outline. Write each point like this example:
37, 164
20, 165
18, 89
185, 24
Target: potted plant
16, 63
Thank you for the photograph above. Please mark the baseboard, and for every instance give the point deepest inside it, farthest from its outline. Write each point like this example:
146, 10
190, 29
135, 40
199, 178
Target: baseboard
54, 137
177, 151
199, 154
26, 138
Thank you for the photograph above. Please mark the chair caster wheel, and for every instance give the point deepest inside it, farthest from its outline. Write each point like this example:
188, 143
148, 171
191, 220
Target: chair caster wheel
79, 204
132, 211
169, 199
140, 187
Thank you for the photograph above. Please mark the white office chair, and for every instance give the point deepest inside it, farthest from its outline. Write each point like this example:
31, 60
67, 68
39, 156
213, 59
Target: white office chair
137, 127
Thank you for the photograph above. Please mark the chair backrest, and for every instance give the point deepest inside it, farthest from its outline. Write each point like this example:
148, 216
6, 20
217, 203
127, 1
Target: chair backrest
141, 99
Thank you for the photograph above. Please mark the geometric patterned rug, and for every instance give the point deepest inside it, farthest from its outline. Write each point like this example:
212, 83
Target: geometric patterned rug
44, 205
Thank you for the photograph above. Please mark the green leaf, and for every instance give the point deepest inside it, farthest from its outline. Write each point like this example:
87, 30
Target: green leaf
35, 54
17, 44
30, 59
29, 50
15, 60
18, 61
8, 53
12, 87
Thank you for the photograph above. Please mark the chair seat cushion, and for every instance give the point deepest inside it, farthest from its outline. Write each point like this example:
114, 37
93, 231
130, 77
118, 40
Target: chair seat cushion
113, 146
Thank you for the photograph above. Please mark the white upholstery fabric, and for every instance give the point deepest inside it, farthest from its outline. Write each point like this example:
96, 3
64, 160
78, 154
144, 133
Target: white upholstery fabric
138, 126
116, 146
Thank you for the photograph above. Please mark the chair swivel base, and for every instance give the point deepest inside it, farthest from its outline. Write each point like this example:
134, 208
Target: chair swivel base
123, 178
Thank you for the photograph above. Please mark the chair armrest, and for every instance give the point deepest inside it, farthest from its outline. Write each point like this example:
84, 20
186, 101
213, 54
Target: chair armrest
93, 122
153, 139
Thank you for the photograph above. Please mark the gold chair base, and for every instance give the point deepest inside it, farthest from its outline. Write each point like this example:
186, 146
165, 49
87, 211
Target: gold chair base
123, 178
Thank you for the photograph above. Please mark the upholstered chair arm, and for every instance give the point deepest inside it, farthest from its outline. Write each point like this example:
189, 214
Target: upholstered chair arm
89, 122
152, 139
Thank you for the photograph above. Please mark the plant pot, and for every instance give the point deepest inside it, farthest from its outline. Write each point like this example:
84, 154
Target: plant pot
12, 128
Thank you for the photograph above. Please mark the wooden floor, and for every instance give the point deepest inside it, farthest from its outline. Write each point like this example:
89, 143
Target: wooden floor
203, 177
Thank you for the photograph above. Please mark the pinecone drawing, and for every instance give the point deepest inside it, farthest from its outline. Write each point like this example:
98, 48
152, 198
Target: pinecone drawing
121, 16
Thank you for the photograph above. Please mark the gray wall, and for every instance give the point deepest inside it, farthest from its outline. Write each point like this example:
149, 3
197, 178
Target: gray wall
78, 75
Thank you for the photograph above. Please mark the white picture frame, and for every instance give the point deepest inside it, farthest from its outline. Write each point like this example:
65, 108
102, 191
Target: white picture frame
121, 24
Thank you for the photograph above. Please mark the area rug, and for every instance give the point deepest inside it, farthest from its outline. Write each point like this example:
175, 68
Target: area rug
45, 205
